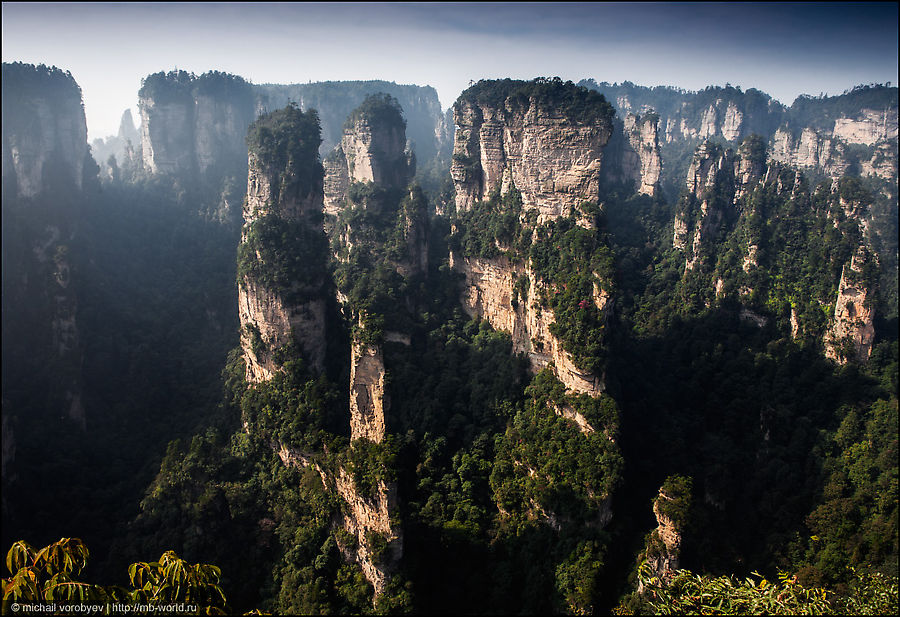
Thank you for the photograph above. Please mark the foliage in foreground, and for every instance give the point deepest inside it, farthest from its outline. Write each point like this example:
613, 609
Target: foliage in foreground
693, 594
47, 576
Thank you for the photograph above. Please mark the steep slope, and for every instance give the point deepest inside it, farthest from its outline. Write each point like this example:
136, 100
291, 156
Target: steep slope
527, 159
46, 163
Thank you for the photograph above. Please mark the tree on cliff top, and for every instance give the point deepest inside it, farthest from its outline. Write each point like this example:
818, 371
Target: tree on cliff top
579, 104
288, 140
380, 108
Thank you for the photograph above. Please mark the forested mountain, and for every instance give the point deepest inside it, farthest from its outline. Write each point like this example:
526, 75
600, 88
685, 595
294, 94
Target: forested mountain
618, 334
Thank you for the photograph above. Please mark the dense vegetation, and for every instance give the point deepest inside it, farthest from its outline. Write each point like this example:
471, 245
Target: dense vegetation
288, 141
579, 105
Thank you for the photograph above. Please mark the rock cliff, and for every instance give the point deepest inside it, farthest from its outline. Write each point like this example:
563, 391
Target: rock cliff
195, 124
543, 142
491, 287
44, 130
852, 331
700, 212
278, 301
373, 150
644, 164
367, 398
552, 157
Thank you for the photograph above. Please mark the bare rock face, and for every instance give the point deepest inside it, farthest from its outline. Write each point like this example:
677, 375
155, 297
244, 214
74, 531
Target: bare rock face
337, 181
195, 125
852, 332
268, 193
643, 136
868, 127
367, 399
663, 551
810, 150
372, 150
733, 122
749, 166
489, 293
269, 319
167, 131
553, 161
883, 163
44, 129
709, 167
368, 520
376, 152
667, 561
269, 323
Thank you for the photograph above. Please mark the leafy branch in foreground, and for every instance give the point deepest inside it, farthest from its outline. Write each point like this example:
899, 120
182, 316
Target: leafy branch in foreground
693, 594
48, 576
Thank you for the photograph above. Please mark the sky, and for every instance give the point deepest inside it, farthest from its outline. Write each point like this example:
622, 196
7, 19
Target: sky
783, 49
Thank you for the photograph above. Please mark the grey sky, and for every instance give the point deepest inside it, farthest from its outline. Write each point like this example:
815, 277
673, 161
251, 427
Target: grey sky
782, 49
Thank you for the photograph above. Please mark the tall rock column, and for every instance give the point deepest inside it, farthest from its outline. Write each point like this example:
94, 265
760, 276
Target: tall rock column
671, 507
283, 251
539, 144
852, 332
382, 222
646, 166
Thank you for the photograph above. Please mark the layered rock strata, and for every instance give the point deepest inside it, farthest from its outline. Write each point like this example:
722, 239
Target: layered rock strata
553, 161
270, 316
642, 160
489, 292
44, 129
852, 331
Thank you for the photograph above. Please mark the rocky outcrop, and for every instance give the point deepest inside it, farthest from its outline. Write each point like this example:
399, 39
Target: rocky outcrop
379, 544
852, 332
195, 125
552, 160
288, 194
367, 397
372, 151
701, 211
337, 181
666, 560
663, 551
810, 150
642, 161
376, 152
44, 130
269, 323
489, 292
867, 127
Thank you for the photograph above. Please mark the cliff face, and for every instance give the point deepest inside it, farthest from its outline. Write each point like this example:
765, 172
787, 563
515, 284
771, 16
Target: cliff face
195, 124
269, 323
367, 398
376, 153
44, 130
852, 331
277, 303
44, 154
553, 161
644, 163
702, 210
811, 150
489, 292
551, 157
